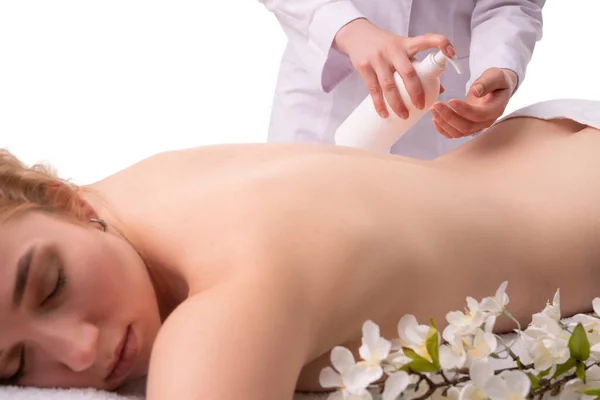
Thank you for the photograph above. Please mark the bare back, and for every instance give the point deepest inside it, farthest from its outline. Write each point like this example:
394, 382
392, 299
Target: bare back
375, 237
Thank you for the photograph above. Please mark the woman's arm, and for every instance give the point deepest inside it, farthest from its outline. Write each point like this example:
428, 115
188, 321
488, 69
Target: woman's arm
504, 34
241, 340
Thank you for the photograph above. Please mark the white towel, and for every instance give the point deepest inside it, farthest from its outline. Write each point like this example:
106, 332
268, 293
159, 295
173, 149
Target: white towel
134, 391
14, 393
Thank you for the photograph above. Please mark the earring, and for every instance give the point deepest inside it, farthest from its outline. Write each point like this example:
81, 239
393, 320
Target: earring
101, 222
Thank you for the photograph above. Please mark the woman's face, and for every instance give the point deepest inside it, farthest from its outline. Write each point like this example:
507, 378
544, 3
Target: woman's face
77, 307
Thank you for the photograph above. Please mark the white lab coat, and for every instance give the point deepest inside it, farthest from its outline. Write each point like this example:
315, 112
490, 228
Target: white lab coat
318, 87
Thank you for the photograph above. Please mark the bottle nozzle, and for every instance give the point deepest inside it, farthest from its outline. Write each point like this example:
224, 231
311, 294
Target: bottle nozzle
440, 59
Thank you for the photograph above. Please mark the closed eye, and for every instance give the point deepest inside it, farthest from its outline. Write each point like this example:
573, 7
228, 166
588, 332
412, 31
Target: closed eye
18, 375
60, 283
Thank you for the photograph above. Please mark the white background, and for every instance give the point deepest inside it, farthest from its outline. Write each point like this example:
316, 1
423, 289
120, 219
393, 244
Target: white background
93, 86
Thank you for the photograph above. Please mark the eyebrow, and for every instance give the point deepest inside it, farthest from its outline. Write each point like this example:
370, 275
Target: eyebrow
23, 267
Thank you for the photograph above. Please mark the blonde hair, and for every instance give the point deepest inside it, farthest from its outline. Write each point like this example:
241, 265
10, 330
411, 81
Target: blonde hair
37, 187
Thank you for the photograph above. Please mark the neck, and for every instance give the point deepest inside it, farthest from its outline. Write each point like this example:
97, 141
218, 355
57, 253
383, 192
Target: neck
171, 288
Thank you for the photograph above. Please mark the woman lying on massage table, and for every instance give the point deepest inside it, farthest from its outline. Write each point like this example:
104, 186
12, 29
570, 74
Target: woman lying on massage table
229, 272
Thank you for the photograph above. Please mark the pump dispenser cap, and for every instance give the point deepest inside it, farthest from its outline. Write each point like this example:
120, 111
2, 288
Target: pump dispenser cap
440, 59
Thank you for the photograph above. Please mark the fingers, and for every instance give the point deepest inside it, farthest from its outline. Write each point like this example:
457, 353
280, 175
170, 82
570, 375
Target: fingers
438, 128
473, 112
491, 80
454, 124
372, 82
458, 122
412, 82
428, 41
444, 127
385, 75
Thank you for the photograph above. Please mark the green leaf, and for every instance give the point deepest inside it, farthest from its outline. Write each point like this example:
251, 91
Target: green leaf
544, 373
535, 382
422, 366
432, 343
590, 392
579, 345
418, 363
580, 371
564, 367
410, 353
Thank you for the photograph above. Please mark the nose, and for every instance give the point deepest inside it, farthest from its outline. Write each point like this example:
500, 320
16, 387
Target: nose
73, 344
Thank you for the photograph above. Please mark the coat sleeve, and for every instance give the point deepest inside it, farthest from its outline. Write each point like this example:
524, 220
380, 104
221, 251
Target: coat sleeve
503, 35
311, 26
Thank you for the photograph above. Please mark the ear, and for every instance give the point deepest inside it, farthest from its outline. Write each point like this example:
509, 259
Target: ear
67, 198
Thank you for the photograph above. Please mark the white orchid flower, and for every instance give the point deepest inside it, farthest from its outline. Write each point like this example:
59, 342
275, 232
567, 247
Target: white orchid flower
545, 343
470, 320
374, 348
453, 354
591, 323
496, 304
413, 335
510, 385
350, 378
484, 343
480, 372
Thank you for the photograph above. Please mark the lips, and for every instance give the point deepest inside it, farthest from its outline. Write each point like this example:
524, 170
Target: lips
124, 356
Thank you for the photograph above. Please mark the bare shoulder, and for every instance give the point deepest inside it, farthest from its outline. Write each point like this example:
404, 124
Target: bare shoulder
229, 341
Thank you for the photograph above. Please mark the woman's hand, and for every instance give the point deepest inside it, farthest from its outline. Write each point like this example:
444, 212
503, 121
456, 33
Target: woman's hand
377, 54
484, 104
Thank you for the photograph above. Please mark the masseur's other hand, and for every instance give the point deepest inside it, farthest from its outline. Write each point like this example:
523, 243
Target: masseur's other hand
484, 104
376, 54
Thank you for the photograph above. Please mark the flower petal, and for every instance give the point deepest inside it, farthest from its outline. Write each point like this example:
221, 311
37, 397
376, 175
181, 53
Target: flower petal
496, 388
342, 359
370, 332
501, 296
472, 304
328, 378
518, 382
381, 349
360, 376
596, 305
365, 352
489, 305
395, 385
593, 374
455, 318
451, 357
399, 359
490, 341
471, 392
481, 371
489, 323
407, 327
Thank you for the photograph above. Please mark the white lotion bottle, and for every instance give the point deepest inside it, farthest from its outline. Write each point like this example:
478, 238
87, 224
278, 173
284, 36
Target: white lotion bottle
365, 129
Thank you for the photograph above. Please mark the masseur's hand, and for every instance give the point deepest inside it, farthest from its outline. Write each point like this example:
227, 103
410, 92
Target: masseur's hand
376, 54
484, 104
